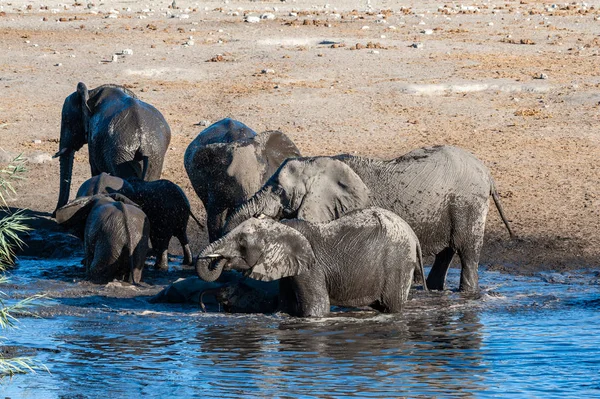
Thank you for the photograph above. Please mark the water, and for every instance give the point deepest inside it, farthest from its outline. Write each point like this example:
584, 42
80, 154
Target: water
523, 337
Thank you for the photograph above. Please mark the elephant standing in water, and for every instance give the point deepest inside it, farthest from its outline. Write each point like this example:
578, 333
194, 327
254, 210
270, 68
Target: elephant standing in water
163, 201
365, 258
228, 162
115, 236
126, 136
441, 192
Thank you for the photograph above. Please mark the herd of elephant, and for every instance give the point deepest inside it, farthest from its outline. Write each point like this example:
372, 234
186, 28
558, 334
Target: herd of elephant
332, 230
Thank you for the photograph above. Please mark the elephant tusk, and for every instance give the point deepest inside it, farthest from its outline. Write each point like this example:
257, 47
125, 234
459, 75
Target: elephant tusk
210, 256
60, 152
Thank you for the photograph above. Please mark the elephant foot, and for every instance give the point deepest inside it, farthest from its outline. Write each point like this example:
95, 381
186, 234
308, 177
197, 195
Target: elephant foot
162, 261
187, 256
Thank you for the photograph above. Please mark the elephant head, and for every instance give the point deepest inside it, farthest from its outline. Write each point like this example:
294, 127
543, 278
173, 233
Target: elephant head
73, 135
318, 190
228, 162
73, 216
261, 248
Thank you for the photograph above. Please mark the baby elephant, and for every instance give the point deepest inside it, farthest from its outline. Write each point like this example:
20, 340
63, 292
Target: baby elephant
115, 236
163, 201
365, 258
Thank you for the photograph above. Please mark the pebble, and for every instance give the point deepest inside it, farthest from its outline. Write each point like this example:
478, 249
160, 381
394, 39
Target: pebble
189, 43
115, 58
365, 27
37, 141
204, 123
253, 19
543, 76
374, 52
417, 45
265, 71
427, 32
57, 65
127, 51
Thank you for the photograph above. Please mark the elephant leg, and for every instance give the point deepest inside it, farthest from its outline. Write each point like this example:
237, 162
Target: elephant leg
162, 259
437, 276
469, 275
160, 245
185, 245
311, 295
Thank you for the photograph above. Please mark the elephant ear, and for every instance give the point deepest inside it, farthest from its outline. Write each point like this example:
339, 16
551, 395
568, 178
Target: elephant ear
276, 147
332, 189
75, 213
84, 96
285, 252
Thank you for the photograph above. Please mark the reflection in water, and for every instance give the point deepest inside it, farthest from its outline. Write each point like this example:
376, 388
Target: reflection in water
527, 336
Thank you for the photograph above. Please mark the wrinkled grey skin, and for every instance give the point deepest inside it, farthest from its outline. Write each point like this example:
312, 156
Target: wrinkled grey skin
126, 137
228, 162
115, 236
163, 201
442, 192
236, 295
365, 258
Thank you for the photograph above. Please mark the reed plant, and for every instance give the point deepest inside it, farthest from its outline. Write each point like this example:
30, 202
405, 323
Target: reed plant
12, 225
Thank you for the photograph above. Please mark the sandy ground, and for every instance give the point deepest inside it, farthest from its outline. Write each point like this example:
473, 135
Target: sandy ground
515, 82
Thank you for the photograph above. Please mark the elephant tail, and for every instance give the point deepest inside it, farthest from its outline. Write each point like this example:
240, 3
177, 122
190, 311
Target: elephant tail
420, 259
496, 198
200, 224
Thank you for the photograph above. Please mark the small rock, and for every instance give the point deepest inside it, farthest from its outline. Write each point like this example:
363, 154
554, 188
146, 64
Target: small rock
252, 19
268, 16
542, 76
58, 65
374, 52
127, 51
417, 45
39, 157
427, 31
37, 141
189, 43
115, 58
365, 27
265, 71
204, 123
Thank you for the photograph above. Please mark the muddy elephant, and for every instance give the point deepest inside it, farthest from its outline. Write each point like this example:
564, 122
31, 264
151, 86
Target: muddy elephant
441, 191
115, 236
228, 162
365, 258
126, 137
164, 203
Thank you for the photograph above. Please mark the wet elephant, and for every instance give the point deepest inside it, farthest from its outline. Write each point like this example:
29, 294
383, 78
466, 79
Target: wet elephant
115, 236
163, 201
442, 192
228, 162
126, 137
365, 258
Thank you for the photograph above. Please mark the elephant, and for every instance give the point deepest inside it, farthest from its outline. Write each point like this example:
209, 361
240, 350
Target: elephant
235, 295
163, 201
126, 137
115, 236
228, 162
441, 191
364, 258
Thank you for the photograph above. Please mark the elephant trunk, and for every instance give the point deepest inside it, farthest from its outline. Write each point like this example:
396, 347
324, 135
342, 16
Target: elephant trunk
209, 265
66, 170
264, 202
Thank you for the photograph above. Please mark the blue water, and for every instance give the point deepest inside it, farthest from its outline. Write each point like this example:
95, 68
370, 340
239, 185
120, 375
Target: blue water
524, 337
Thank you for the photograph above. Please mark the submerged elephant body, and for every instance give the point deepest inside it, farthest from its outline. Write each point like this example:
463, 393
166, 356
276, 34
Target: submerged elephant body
126, 136
228, 162
365, 258
115, 236
441, 192
164, 203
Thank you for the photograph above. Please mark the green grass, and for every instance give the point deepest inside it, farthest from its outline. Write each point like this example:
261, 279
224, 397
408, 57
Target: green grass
11, 227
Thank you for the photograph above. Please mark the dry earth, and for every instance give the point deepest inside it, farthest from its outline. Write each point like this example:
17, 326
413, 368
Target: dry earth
515, 82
